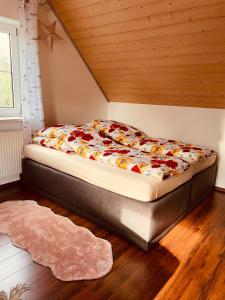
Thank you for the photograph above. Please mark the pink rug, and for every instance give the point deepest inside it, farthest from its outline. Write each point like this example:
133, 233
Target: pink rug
72, 252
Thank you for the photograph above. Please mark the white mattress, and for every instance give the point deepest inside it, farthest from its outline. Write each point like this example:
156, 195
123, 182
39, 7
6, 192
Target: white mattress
202, 164
124, 182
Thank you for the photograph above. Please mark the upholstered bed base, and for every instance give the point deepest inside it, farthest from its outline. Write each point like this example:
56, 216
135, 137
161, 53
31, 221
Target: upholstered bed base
143, 223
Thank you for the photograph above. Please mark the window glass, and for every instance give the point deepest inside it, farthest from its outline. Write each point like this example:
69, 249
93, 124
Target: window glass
6, 85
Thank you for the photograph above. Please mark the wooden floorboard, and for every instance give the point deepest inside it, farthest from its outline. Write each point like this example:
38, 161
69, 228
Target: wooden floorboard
189, 263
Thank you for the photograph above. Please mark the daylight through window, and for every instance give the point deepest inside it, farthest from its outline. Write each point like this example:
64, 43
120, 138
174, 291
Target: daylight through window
6, 87
9, 70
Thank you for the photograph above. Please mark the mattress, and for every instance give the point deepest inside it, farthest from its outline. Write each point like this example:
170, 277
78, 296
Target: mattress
202, 164
124, 182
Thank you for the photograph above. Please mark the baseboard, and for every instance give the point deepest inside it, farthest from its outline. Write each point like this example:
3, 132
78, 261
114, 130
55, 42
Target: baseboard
219, 189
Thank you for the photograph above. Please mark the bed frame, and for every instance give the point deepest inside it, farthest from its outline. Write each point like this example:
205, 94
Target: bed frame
143, 223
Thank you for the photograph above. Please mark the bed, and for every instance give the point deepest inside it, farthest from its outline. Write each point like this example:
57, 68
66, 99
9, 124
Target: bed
139, 208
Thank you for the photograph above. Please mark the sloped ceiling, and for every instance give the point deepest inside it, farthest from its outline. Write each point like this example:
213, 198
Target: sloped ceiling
168, 52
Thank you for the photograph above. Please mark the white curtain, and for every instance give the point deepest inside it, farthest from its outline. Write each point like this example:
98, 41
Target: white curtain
32, 105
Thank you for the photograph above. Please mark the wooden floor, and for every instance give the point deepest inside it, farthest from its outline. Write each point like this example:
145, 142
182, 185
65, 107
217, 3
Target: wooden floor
189, 263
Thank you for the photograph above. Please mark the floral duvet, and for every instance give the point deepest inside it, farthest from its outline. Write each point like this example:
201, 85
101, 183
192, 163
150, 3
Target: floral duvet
90, 142
134, 138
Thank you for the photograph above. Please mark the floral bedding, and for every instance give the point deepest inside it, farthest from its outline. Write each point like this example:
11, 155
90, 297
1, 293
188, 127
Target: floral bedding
122, 133
53, 143
129, 136
91, 143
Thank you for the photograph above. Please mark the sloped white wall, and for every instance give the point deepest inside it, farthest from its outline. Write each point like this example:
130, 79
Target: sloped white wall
195, 125
70, 93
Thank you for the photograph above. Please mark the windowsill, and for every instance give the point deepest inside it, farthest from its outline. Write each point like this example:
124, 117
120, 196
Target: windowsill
20, 119
11, 123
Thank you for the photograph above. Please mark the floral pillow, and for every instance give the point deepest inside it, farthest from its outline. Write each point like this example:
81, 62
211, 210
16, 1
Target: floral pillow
56, 131
71, 134
134, 138
178, 149
120, 132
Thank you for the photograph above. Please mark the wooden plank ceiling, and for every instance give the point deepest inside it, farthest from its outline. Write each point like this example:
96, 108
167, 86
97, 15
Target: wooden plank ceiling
169, 52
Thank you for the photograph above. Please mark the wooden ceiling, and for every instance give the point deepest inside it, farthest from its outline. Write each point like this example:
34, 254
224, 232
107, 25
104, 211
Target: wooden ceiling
169, 52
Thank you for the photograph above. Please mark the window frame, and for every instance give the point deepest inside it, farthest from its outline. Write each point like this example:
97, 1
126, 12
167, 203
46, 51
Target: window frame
11, 26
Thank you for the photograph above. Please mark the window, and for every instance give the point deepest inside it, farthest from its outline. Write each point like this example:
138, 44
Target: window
10, 104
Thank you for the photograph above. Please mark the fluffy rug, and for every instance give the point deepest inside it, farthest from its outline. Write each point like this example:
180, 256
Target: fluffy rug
72, 252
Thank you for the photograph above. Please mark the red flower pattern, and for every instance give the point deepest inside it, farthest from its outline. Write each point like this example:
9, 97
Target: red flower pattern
145, 141
111, 151
107, 142
169, 163
80, 134
101, 134
138, 134
136, 169
169, 153
115, 126
42, 143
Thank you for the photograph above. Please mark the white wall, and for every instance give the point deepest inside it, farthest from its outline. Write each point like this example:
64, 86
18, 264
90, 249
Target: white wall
70, 93
195, 125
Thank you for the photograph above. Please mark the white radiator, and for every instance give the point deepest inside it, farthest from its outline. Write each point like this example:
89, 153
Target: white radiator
11, 147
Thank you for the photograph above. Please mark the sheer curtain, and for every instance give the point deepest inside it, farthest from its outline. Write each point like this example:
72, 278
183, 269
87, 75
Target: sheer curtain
32, 105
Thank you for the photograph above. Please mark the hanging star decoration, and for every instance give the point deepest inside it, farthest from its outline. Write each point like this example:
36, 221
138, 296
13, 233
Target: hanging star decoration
48, 33
44, 4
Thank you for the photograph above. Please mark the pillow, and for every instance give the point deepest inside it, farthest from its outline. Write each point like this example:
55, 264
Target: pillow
122, 133
55, 131
57, 135
134, 138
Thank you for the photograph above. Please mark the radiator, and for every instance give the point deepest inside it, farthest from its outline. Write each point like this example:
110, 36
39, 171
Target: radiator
11, 147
